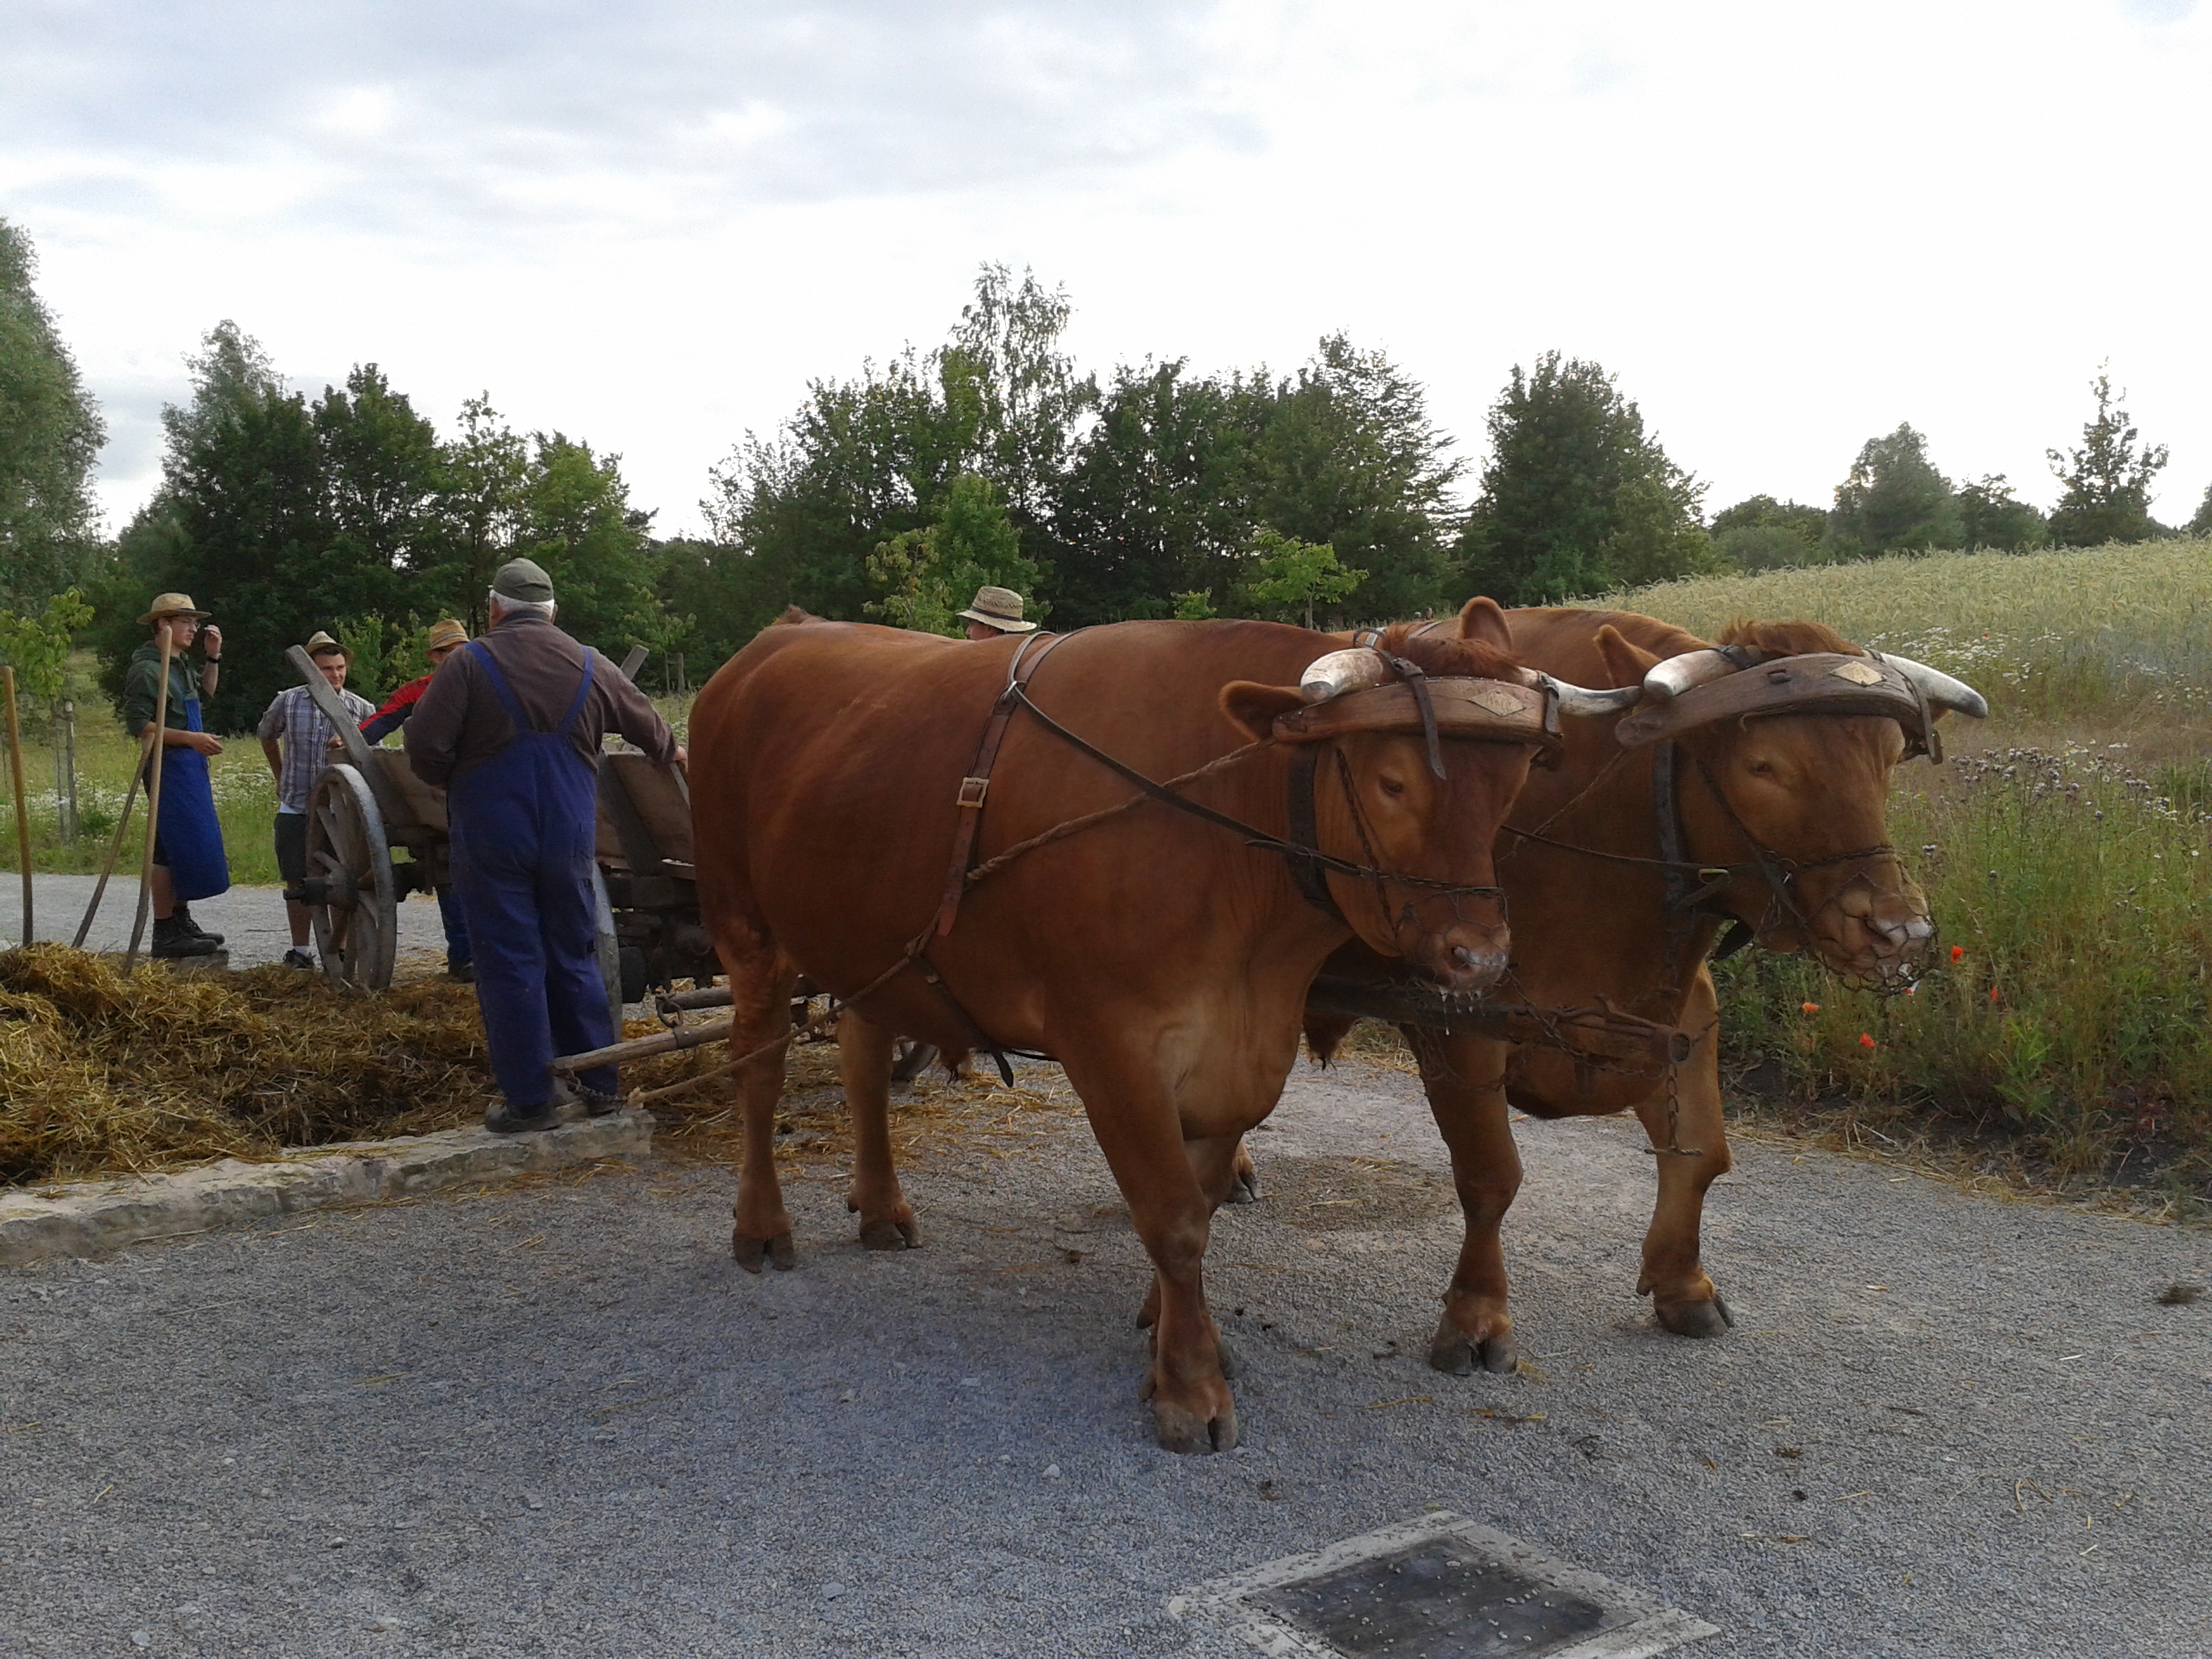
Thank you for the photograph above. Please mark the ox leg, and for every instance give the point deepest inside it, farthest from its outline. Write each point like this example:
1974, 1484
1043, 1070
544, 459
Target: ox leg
1139, 1129
864, 1065
1681, 1293
760, 1001
1464, 1077
1244, 1176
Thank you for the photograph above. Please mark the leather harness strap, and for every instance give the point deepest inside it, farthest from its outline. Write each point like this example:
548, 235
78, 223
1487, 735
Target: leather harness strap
977, 783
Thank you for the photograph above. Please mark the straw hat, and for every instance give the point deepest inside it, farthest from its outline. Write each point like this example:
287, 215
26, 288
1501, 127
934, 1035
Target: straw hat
1000, 608
448, 632
319, 643
169, 605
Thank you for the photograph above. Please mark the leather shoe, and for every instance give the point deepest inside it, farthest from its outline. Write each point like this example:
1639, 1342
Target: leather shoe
504, 1119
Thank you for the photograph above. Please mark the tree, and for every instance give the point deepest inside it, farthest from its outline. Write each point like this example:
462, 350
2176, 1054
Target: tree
483, 485
1893, 501
36, 644
928, 575
2107, 479
1151, 511
1760, 533
2201, 524
1990, 515
577, 521
1009, 384
1344, 454
50, 438
1577, 498
1289, 578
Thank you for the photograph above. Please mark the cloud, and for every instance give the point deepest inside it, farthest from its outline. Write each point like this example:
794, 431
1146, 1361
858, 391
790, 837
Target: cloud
412, 117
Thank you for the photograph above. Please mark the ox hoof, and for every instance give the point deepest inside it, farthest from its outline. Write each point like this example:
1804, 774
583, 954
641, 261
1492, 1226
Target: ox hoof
1185, 1431
1458, 1354
891, 1235
1230, 1365
778, 1252
1244, 1183
1696, 1318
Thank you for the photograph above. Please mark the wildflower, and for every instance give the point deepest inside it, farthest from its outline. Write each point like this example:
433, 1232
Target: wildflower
1809, 1008
1957, 951
1993, 993
1866, 1039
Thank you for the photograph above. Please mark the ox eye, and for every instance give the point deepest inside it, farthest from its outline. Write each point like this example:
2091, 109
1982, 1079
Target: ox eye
1759, 768
1392, 786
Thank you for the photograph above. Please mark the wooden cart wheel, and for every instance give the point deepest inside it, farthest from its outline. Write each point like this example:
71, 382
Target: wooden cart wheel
349, 863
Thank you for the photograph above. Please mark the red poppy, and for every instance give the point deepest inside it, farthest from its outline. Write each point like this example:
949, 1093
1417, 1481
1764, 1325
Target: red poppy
1809, 1008
1957, 951
1866, 1040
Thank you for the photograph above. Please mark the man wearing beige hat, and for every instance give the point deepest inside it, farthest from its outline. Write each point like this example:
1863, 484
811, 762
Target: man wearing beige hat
188, 860
295, 738
997, 613
445, 638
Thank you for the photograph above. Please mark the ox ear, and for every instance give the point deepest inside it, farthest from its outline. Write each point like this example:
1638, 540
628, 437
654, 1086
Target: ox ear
1626, 664
1481, 620
1253, 706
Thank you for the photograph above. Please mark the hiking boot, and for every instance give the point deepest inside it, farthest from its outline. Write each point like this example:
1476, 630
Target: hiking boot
504, 1119
597, 1102
170, 940
295, 958
182, 915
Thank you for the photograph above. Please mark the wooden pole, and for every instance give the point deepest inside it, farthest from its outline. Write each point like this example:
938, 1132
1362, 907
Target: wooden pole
115, 846
23, 806
65, 769
153, 802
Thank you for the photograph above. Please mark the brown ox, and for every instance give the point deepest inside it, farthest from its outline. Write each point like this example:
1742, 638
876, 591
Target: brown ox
1810, 790
1159, 958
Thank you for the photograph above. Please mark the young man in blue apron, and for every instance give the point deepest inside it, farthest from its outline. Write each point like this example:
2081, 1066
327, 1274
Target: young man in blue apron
510, 726
188, 862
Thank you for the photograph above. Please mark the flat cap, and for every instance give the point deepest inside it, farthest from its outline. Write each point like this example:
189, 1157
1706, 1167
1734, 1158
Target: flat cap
525, 579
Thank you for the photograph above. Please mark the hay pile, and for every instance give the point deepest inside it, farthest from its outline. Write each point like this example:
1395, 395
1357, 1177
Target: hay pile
99, 1074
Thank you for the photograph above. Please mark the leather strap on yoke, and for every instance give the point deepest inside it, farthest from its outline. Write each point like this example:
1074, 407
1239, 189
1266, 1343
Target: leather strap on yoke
977, 783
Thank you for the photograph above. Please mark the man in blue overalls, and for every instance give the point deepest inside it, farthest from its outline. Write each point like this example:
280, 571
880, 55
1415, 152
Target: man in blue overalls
511, 725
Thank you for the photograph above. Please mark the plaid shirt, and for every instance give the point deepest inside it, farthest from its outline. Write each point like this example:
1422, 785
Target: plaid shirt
306, 734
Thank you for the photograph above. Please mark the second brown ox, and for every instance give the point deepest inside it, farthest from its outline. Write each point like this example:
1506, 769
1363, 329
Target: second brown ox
1161, 959
1779, 825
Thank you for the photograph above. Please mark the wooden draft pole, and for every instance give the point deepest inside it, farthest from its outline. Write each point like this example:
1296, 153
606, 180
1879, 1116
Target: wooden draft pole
153, 802
22, 806
115, 844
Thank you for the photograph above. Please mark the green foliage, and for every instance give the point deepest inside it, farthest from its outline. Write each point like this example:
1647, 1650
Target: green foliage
1192, 607
1895, 501
1289, 578
928, 575
284, 516
50, 438
2201, 524
36, 644
2107, 479
1990, 515
1760, 533
1577, 498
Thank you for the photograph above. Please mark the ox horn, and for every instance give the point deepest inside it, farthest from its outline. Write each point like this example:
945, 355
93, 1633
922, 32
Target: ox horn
1341, 672
1579, 701
1939, 687
1665, 681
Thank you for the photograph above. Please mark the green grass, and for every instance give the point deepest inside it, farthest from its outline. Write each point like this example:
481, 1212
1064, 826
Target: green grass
2064, 848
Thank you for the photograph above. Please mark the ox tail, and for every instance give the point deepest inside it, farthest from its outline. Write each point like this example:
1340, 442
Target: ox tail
1325, 1034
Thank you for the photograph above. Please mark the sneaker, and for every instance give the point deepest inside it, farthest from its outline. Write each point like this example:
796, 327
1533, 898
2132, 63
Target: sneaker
171, 941
182, 916
297, 958
504, 1119
462, 973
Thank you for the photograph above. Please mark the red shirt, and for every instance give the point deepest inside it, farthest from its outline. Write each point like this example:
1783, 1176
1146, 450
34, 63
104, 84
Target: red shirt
396, 706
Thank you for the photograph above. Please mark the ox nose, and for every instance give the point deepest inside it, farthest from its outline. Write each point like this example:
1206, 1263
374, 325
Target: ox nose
1472, 964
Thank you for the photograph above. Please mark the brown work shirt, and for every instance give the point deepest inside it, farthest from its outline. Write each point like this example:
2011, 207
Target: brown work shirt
462, 722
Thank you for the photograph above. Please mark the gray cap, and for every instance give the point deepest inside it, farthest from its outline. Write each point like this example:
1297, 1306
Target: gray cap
525, 579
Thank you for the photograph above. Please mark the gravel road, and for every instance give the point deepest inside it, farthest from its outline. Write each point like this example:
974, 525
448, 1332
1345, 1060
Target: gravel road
251, 919
555, 1419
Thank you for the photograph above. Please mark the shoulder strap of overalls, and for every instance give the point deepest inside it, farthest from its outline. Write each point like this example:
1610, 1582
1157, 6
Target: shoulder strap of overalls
500, 685
583, 690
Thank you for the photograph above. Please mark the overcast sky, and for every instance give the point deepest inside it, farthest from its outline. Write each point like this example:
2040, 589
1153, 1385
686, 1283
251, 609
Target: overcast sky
1785, 228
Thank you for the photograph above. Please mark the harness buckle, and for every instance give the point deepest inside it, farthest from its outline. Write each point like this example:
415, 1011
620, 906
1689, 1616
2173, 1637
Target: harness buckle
972, 790
1712, 876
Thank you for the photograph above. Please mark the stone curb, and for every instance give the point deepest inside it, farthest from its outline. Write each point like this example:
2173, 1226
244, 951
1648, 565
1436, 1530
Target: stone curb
90, 1217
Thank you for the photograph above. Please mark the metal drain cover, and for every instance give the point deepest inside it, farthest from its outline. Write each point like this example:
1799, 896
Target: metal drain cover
1437, 1587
